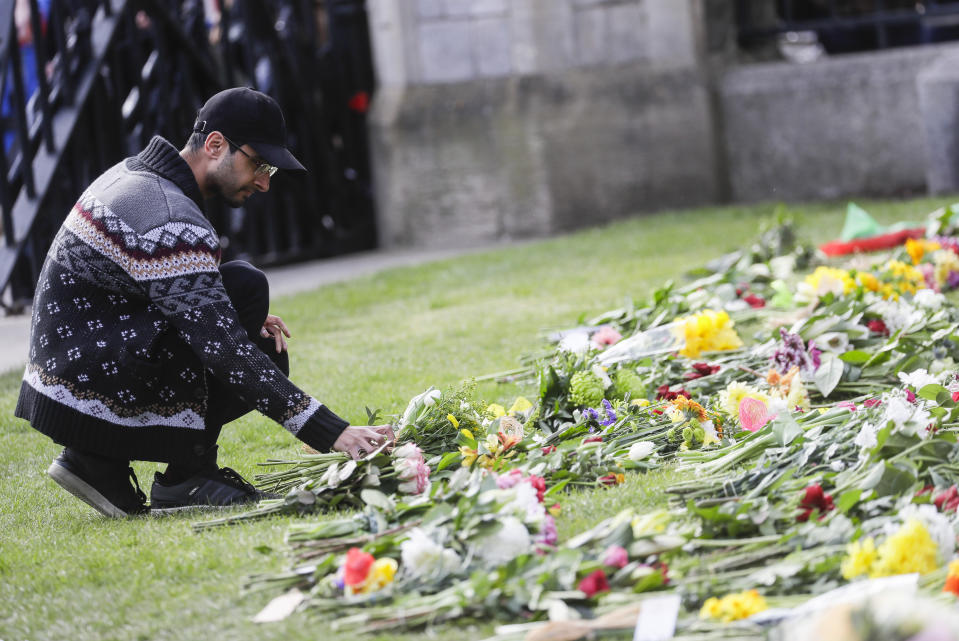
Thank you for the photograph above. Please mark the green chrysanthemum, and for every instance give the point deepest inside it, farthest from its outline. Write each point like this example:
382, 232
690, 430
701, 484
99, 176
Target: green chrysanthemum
626, 381
585, 389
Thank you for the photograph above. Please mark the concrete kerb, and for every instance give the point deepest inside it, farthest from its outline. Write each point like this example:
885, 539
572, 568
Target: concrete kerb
284, 281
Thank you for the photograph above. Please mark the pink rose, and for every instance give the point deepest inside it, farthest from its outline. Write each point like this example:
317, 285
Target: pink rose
605, 336
615, 556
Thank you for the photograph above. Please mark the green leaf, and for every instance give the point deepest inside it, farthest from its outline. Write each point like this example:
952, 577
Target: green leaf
828, 374
785, 429
375, 498
439, 513
448, 459
556, 488
855, 357
847, 500
888, 480
932, 391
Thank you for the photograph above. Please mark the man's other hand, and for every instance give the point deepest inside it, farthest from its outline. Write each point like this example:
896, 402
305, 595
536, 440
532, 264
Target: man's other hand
360, 440
275, 327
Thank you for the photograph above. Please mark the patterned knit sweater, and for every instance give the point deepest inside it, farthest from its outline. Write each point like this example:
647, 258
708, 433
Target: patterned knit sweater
130, 319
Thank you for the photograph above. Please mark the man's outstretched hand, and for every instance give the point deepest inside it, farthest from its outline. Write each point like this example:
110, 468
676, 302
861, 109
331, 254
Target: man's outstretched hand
360, 440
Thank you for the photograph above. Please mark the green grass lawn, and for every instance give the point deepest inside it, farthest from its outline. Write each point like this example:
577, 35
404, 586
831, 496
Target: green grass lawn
68, 573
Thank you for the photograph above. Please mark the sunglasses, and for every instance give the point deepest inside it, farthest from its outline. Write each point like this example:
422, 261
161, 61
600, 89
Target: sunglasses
261, 168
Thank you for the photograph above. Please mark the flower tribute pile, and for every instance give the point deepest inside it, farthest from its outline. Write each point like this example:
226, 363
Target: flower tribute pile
812, 408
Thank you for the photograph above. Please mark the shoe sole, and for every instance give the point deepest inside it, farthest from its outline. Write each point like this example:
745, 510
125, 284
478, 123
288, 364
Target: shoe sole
84, 491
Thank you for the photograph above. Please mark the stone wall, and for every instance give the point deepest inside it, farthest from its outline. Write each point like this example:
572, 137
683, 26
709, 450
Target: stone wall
843, 126
513, 118
498, 118
517, 157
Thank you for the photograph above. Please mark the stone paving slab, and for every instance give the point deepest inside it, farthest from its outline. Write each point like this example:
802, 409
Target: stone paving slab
284, 281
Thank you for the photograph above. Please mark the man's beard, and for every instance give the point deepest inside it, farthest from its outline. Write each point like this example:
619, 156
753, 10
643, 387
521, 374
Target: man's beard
223, 185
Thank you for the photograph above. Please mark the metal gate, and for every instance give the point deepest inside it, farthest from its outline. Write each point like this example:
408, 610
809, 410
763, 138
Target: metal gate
87, 82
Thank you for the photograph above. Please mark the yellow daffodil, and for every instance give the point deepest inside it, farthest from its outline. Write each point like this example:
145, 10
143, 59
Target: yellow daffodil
641, 402
452, 419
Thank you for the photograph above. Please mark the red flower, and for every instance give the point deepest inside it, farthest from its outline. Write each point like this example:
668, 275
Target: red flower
910, 395
701, 369
955, 397
539, 484
663, 393
549, 449
609, 479
872, 402
754, 300
948, 501
357, 566
593, 584
593, 439
815, 499
878, 327
926, 490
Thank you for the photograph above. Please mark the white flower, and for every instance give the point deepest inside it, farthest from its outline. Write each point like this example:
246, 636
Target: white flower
508, 542
422, 556
782, 266
601, 374
939, 366
906, 417
836, 342
917, 379
866, 438
417, 404
576, 342
897, 315
639, 451
525, 504
929, 299
408, 450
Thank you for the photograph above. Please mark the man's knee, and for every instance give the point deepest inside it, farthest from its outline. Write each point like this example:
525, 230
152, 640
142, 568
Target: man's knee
249, 291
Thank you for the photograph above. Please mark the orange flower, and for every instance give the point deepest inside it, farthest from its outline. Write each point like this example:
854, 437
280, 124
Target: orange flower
507, 441
688, 406
952, 580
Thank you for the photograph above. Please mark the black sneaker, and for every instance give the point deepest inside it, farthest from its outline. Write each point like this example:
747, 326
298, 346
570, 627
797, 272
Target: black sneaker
102, 483
213, 488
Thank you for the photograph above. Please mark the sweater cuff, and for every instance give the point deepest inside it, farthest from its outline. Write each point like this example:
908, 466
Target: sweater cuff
322, 429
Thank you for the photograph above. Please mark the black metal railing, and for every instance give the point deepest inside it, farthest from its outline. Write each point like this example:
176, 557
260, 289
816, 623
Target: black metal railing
844, 26
87, 82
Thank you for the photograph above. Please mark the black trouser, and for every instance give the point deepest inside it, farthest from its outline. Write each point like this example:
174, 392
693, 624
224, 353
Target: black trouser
249, 292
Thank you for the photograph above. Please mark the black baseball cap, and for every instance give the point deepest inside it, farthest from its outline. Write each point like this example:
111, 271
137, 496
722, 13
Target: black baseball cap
247, 116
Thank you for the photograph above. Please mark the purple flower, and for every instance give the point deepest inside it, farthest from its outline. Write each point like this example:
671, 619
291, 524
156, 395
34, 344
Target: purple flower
610, 414
953, 280
591, 414
794, 353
